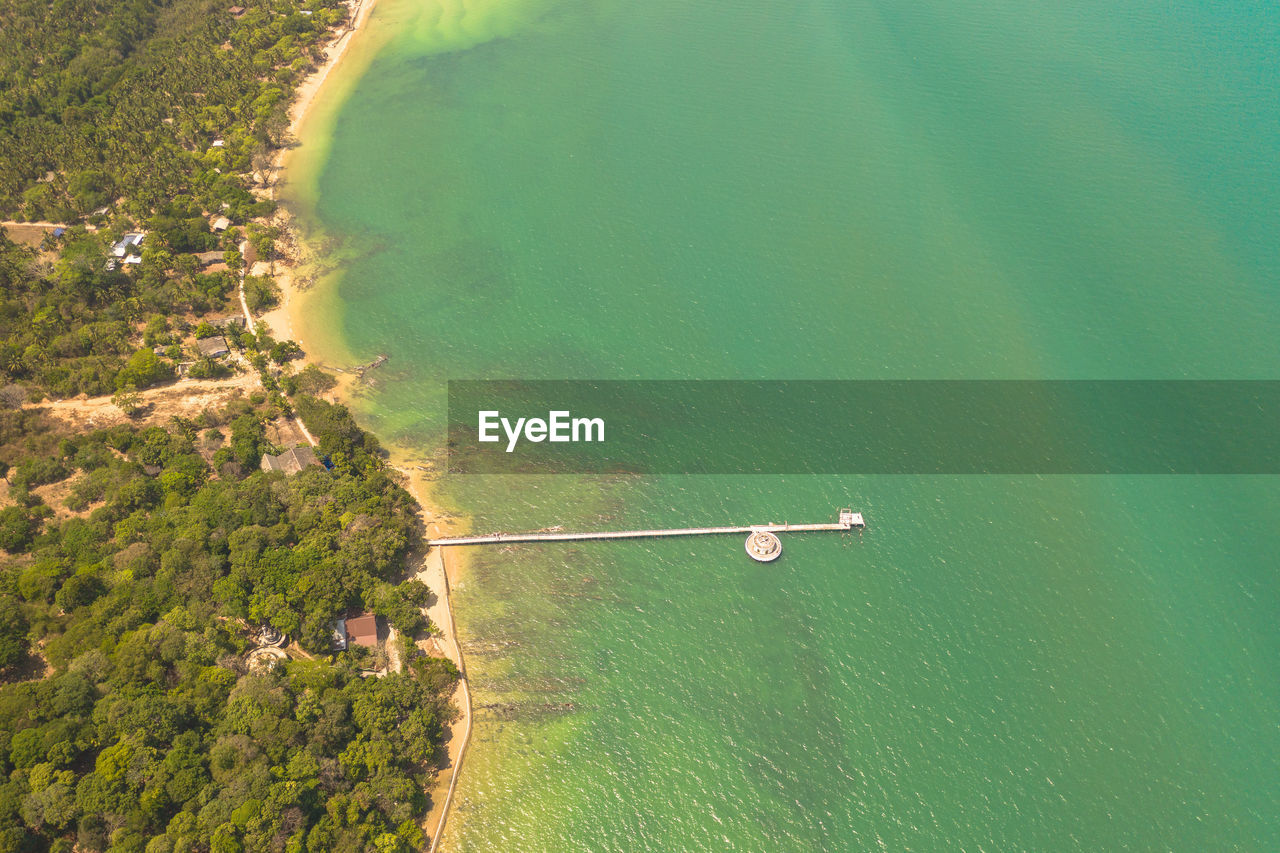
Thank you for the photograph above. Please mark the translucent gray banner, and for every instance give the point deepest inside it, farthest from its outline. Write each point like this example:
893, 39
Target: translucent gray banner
865, 427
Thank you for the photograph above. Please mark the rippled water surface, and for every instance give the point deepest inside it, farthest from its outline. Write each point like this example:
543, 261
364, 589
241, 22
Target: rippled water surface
839, 189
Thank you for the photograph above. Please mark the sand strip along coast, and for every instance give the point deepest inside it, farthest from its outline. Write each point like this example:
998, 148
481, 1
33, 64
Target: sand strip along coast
438, 570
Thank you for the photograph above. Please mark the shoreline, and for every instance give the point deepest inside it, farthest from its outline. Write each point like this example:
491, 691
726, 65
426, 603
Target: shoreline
440, 571
309, 88
280, 319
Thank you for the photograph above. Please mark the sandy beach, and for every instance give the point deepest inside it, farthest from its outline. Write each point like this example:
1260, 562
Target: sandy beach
437, 570
442, 569
309, 88
280, 320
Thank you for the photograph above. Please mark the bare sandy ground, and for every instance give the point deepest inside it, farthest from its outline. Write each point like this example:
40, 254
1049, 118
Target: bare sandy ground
28, 233
186, 398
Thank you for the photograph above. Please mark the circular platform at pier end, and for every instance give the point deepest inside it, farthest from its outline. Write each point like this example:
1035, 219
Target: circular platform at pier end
763, 546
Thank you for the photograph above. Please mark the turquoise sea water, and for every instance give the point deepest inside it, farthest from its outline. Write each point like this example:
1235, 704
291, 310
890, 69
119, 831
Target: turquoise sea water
743, 189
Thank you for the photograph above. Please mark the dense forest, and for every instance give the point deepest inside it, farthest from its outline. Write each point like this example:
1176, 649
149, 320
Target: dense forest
148, 731
147, 115
140, 562
122, 101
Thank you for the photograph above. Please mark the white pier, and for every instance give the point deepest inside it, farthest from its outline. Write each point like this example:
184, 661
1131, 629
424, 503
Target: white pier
848, 520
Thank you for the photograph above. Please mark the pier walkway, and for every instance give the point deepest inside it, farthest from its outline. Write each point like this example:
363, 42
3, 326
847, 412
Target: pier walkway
849, 520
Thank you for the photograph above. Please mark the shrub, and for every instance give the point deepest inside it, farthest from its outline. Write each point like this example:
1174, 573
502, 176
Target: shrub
39, 471
79, 590
17, 529
143, 370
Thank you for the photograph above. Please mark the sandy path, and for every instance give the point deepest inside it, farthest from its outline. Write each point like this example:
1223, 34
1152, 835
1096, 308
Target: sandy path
244, 303
16, 223
460, 731
30, 233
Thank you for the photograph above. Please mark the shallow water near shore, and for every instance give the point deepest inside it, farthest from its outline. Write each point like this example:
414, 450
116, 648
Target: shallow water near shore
600, 189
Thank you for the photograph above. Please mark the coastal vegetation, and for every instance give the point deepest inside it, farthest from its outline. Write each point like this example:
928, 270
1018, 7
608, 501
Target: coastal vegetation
154, 116
145, 560
147, 730
147, 103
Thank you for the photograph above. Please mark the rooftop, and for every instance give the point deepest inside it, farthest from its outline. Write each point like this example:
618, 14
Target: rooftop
213, 347
126, 243
291, 461
362, 630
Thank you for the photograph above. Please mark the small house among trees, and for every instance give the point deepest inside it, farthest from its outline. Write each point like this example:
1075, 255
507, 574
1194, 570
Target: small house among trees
213, 347
291, 461
231, 322
128, 244
359, 630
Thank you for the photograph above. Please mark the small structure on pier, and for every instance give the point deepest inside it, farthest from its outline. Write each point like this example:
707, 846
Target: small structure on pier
763, 546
